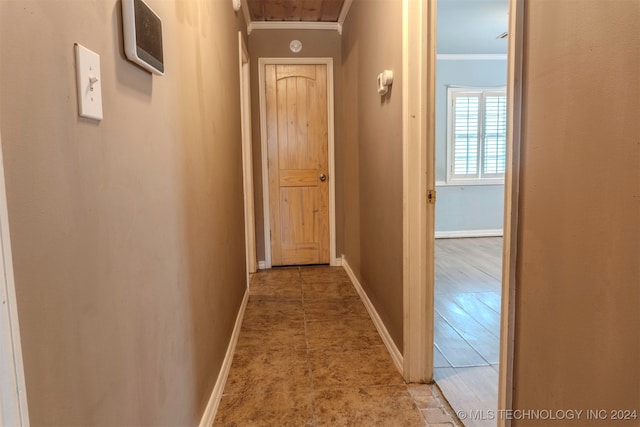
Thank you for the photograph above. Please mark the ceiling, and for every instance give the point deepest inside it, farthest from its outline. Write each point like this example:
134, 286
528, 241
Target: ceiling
295, 10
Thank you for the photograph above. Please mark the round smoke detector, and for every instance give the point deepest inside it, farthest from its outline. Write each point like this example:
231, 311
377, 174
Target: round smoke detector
295, 46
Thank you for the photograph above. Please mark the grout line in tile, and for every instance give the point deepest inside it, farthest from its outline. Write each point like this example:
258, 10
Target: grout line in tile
465, 340
482, 302
472, 315
443, 355
335, 319
446, 406
312, 394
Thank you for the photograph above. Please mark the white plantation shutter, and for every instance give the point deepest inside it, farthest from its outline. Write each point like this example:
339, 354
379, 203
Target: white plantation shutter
466, 135
495, 134
477, 134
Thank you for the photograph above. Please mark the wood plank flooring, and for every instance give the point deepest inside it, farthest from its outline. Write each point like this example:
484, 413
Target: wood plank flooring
467, 324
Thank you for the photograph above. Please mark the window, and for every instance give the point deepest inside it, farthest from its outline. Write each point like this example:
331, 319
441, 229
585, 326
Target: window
477, 135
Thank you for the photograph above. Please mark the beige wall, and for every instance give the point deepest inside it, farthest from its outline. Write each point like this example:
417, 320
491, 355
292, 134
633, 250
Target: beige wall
127, 233
372, 150
275, 44
577, 343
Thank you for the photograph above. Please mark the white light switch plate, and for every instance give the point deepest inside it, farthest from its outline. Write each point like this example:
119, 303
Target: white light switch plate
89, 83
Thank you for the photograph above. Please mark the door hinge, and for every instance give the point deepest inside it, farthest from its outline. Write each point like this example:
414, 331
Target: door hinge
431, 196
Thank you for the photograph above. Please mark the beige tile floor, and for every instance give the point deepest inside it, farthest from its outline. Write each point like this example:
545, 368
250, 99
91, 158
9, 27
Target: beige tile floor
309, 355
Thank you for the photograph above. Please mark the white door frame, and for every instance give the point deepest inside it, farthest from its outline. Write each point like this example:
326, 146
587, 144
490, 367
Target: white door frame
247, 156
331, 150
13, 403
419, 34
418, 148
511, 196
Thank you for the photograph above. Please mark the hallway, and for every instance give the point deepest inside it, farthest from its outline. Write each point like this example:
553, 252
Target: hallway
309, 355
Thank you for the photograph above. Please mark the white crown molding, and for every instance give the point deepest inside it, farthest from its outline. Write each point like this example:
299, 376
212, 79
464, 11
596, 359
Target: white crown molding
343, 14
471, 56
293, 25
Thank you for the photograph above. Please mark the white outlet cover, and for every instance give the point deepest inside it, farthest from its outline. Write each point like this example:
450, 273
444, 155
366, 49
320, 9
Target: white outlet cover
89, 83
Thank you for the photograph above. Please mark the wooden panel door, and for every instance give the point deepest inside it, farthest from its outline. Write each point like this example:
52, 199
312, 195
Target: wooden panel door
296, 119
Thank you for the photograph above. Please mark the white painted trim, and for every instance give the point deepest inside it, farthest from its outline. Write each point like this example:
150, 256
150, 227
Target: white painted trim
418, 151
13, 396
331, 150
262, 265
265, 161
476, 183
515, 103
210, 411
394, 352
247, 155
245, 11
471, 57
458, 234
293, 25
346, 6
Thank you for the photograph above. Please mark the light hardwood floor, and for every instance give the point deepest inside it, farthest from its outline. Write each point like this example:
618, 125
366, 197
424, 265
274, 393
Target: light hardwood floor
467, 324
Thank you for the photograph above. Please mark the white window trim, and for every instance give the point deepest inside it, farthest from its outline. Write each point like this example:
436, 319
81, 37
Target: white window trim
458, 182
450, 180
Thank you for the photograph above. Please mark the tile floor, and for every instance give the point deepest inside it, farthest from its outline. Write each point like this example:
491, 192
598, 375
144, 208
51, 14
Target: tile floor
467, 323
309, 355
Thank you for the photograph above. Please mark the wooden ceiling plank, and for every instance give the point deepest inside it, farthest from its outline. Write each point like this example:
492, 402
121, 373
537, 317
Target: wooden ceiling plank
292, 10
331, 10
273, 10
256, 10
311, 10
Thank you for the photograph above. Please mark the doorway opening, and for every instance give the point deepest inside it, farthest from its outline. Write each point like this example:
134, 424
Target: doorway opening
470, 166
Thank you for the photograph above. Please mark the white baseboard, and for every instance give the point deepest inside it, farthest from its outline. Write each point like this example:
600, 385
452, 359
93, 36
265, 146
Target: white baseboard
468, 233
396, 355
262, 265
212, 406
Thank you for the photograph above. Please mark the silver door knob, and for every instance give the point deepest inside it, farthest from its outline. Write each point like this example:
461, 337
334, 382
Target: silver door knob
323, 177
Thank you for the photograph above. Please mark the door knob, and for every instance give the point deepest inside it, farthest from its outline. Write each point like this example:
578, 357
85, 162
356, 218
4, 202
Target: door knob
323, 177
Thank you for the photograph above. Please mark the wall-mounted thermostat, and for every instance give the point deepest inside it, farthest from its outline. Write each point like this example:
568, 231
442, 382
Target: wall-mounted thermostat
142, 30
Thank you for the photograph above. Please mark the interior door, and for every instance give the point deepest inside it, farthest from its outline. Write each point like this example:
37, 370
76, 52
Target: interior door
297, 144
